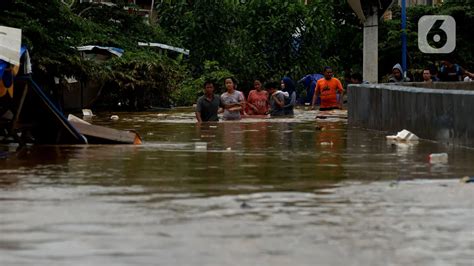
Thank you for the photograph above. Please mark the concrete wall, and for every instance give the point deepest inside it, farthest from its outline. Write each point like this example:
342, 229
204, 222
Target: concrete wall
441, 85
435, 114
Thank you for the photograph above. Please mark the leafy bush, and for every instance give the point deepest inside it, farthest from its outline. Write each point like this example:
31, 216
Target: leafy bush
268, 39
191, 88
390, 34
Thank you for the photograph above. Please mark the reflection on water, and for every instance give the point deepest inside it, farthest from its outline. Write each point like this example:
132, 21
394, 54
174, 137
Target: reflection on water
259, 192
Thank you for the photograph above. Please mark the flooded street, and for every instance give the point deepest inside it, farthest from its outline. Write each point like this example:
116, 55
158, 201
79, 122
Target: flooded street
254, 192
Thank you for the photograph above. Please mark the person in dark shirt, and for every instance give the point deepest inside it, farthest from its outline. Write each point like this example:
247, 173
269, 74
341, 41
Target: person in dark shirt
277, 99
450, 71
356, 78
287, 85
207, 106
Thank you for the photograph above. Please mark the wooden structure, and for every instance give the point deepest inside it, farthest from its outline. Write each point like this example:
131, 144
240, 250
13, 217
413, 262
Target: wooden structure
104, 135
30, 117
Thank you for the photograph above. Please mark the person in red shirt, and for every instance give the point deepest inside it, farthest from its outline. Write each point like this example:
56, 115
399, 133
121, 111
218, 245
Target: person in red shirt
327, 88
257, 101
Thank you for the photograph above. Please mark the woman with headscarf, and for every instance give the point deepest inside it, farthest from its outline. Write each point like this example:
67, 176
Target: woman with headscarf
287, 85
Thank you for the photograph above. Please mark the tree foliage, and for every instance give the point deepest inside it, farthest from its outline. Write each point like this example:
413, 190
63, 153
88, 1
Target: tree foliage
52, 30
390, 32
267, 39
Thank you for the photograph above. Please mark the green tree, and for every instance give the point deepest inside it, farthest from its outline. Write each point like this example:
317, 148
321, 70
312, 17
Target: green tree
390, 34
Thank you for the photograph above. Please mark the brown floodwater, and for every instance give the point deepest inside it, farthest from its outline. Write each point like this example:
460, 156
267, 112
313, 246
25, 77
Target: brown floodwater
295, 191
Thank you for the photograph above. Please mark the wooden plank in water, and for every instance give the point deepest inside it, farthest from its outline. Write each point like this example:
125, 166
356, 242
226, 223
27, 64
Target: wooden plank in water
101, 135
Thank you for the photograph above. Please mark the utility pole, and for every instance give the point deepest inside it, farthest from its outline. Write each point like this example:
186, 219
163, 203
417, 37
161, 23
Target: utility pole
404, 38
370, 59
368, 12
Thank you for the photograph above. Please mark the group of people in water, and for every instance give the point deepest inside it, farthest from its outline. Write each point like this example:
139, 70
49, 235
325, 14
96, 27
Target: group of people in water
272, 98
278, 99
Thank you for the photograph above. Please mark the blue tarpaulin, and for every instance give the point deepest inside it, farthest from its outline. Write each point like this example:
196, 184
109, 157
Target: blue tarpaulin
4, 65
309, 82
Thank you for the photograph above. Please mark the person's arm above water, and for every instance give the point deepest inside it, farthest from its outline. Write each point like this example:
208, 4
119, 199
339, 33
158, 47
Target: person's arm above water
292, 99
315, 96
198, 117
198, 110
228, 105
221, 106
242, 101
249, 102
341, 92
279, 102
253, 108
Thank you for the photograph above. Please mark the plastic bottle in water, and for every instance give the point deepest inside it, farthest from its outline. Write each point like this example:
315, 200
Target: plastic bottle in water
438, 158
200, 146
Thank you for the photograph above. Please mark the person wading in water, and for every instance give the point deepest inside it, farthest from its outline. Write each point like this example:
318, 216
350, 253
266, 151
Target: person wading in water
328, 88
233, 100
208, 105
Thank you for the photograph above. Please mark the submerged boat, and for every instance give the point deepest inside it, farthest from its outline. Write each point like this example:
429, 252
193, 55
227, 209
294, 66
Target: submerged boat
104, 135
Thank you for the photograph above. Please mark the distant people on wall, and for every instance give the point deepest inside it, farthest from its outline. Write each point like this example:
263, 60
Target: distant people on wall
449, 71
207, 106
397, 74
356, 78
452, 72
427, 75
328, 89
288, 86
257, 100
434, 73
232, 100
347, 79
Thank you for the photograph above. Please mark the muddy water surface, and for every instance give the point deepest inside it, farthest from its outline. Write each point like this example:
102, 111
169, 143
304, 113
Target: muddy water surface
255, 192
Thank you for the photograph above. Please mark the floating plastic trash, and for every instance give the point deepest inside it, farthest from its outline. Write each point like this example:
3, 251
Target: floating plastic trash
403, 135
200, 145
438, 158
467, 179
114, 117
87, 112
326, 143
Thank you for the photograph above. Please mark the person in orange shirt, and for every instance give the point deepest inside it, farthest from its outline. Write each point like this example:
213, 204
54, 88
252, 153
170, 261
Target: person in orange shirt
257, 102
327, 88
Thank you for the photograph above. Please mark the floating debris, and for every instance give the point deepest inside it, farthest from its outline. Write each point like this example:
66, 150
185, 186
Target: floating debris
244, 205
87, 113
326, 143
200, 145
467, 179
438, 158
403, 135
